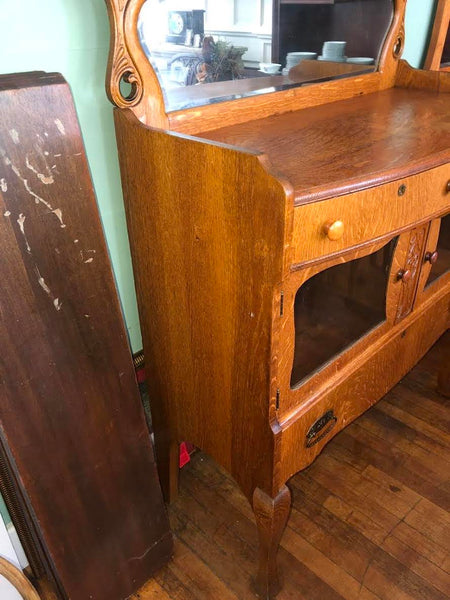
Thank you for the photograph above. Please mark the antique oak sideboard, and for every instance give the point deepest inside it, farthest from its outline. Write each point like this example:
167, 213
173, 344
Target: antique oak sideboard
291, 252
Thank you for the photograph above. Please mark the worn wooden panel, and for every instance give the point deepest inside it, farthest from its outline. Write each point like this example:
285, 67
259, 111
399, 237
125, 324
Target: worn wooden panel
71, 418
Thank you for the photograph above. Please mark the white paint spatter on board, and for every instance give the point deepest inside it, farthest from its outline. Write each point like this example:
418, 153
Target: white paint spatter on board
47, 179
21, 223
3, 185
14, 136
58, 213
38, 199
55, 301
60, 126
87, 260
42, 283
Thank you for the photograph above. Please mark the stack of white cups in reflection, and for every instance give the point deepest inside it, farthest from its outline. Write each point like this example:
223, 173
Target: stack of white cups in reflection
294, 58
334, 51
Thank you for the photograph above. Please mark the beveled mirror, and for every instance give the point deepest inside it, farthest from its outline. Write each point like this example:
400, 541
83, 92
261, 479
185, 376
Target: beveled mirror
180, 64
207, 51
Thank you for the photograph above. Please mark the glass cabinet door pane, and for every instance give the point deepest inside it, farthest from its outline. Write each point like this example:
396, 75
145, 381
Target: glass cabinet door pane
442, 265
338, 306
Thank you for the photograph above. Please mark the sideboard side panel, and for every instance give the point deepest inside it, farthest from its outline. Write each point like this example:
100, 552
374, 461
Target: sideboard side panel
207, 230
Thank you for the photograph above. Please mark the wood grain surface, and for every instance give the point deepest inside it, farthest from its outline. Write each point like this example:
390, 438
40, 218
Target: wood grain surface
369, 215
208, 227
352, 144
271, 516
72, 424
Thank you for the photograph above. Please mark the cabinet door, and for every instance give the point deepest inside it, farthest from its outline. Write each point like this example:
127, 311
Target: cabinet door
435, 266
347, 303
438, 257
337, 307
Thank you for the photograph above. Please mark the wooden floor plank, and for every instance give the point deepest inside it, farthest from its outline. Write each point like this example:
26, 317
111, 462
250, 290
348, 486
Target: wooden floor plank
152, 589
417, 563
196, 576
426, 547
317, 562
403, 580
391, 460
432, 521
441, 438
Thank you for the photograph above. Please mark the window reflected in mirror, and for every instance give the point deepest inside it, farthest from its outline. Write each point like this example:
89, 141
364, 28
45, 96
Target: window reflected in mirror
213, 50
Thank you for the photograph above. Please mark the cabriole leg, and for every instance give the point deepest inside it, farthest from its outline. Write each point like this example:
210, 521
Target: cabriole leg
271, 517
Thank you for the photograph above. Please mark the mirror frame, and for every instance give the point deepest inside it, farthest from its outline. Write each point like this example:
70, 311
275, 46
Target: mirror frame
128, 62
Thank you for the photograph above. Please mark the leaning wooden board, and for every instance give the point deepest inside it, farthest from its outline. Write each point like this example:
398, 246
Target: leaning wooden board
73, 431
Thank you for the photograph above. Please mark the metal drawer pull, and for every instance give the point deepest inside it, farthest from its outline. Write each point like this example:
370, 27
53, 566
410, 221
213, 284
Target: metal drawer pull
320, 428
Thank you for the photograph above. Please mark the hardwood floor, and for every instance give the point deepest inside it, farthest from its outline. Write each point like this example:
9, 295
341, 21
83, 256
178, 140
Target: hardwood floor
370, 517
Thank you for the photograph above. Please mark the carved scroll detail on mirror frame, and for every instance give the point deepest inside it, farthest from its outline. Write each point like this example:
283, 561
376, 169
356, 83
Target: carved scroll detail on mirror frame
127, 63
121, 66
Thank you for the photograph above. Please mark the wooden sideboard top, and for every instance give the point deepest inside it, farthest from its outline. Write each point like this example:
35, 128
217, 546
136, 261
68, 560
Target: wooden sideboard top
352, 144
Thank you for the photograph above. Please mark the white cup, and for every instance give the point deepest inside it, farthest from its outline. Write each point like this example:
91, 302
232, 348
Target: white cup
269, 68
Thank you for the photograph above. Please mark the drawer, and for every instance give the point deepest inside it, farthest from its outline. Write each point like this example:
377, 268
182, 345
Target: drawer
330, 226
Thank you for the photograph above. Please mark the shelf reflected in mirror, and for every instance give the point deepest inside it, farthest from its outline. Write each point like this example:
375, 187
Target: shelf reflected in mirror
208, 51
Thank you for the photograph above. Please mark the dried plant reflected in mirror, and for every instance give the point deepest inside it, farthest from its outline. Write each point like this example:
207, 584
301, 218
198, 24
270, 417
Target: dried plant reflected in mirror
212, 50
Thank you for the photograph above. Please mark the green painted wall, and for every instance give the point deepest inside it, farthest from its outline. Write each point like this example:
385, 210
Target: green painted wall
4, 512
419, 18
72, 36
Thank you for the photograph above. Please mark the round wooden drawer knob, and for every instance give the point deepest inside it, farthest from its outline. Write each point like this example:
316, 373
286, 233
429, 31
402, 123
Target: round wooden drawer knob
431, 257
404, 275
334, 231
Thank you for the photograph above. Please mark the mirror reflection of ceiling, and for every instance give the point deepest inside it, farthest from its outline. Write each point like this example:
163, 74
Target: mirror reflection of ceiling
213, 50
